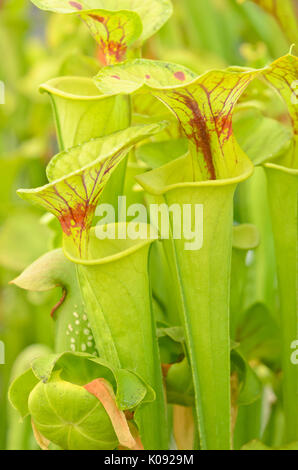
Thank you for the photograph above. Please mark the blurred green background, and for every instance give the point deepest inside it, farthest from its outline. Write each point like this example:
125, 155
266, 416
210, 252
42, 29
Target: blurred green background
37, 46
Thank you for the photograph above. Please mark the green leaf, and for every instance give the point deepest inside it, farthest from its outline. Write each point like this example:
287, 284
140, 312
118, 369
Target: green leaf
258, 334
19, 434
255, 445
141, 75
78, 177
261, 138
284, 14
179, 384
204, 106
71, 417
258, 445
82, 368
250, 386
153, 13
19, 226
54, 270
20, 390
171, 344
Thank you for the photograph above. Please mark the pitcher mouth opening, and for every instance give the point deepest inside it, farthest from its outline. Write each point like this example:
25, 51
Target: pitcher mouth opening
164, 179
73, 88
284, 169
118, 243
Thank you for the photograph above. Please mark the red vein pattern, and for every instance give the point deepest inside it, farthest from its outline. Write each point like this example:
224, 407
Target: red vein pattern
205, 111
283, 75
74, 199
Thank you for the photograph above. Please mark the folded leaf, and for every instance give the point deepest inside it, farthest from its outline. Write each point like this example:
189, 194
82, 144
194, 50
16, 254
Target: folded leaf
101, 389
20, 391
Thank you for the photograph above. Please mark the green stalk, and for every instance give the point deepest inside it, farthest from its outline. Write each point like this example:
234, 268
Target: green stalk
116, 290
283, 190
203, 285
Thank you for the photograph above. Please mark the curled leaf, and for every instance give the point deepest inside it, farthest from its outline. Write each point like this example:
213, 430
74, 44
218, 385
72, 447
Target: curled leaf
102, 390
40, 439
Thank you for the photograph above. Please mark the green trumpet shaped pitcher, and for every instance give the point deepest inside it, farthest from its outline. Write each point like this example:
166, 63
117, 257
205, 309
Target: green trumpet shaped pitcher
283, 198
199, 247
82, 113
115, 287
282, 176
